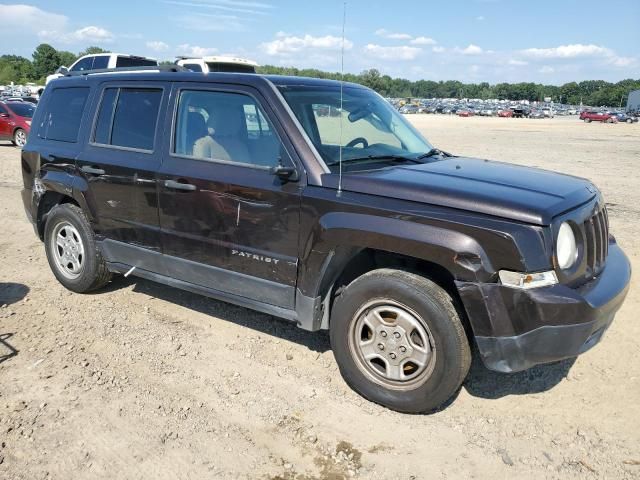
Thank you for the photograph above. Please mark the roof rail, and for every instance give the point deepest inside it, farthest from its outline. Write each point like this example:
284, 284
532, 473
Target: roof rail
151, 68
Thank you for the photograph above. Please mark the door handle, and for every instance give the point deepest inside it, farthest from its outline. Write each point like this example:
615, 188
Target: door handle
92, 170
179, 186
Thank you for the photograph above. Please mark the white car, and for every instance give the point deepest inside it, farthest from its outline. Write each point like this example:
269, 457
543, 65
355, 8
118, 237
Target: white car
217, 64
101, 61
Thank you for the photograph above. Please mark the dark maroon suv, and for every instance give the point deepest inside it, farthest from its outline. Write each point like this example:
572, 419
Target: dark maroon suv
241, 187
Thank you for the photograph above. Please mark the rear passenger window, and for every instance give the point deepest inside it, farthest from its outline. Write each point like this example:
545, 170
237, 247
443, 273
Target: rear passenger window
128, 117
100, 62
64, 114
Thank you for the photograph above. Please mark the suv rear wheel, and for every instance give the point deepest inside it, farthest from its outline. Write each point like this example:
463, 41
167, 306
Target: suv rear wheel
399, 341
71, 250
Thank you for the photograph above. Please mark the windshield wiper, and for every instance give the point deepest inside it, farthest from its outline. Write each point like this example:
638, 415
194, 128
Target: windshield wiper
432, 153
394, 158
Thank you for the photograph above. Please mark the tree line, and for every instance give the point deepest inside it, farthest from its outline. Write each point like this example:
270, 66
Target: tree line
46, 59
589, 92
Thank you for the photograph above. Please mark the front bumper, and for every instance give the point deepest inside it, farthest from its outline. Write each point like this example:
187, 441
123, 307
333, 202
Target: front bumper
516, 329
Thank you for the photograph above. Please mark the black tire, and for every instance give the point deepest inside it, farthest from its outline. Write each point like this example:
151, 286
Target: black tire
629, 120
434, 308
94, 273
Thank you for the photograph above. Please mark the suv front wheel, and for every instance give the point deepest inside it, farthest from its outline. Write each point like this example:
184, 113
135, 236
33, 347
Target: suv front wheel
71, 250
399, 341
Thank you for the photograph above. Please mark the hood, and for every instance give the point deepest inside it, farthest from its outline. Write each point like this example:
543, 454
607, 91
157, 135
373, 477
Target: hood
504, 190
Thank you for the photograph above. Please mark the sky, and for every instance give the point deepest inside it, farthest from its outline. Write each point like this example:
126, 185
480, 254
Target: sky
550, 42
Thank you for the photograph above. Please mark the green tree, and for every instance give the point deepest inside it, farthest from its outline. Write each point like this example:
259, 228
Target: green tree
67, 58
45, 60
92, 51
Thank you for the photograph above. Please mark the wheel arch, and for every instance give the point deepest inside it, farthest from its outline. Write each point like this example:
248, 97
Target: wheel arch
49, 200
348, 246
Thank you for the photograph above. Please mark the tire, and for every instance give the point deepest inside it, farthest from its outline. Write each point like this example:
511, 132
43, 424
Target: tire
71, 250
19, 138
429, 311
587, 120
629, 120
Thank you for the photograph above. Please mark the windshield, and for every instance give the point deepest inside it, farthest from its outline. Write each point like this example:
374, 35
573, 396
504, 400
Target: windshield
367, 126
22, 109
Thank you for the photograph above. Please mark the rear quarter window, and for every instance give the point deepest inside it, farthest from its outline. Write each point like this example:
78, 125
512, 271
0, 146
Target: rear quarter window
128, 117
63, 115
123, 62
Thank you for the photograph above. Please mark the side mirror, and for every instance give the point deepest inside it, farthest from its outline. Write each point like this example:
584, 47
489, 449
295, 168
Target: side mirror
62, 70
286, 174
4, 115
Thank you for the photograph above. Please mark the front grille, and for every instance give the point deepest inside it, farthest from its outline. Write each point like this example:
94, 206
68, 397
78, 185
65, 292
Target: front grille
596, 230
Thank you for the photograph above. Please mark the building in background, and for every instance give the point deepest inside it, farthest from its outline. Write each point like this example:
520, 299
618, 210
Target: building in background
633, 101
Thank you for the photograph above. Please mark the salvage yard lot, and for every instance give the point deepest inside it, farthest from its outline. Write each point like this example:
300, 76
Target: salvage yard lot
142, 381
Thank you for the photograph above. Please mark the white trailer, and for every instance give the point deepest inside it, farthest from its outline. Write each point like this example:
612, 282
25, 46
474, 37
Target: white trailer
633, 101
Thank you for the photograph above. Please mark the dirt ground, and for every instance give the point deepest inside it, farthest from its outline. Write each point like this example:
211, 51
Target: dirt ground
142, 381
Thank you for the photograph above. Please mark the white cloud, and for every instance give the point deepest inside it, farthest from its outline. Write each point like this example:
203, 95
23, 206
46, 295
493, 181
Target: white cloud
250, 8
382, 32
33, 19
517, 63
392, 53
470, 50
90, 34
287, 45
547, 69
157, 46
93, 34
622, 61
195, 50
580, 51
423, 41
438, 49
480, 18
568, 51
208, 22
21, 19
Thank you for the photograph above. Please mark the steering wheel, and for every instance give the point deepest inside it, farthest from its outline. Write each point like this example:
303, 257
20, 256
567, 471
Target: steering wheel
356, 141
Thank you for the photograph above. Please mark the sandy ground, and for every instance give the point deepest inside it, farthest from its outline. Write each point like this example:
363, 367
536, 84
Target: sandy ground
142, 381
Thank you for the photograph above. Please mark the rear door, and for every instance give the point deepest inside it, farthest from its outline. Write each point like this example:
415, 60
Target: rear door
5, 122
119, 165
228, 223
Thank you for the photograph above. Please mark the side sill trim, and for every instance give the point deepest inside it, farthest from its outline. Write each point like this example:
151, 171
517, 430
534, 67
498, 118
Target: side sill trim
207, 292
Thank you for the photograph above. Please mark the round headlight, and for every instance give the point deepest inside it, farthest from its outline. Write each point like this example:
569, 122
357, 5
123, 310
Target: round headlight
566, 248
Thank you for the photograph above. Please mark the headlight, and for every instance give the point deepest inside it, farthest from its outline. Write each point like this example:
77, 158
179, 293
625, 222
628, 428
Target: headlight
566, 248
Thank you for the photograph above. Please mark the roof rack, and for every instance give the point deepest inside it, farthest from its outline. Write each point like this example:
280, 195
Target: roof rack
152, 68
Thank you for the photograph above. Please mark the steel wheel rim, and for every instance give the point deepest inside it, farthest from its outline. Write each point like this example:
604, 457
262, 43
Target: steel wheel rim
68, 250
21, 138
392, 345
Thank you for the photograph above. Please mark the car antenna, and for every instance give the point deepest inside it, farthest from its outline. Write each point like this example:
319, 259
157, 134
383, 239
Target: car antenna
344, 20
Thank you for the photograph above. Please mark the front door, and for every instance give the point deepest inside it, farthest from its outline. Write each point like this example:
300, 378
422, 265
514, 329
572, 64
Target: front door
119, 166
228, 223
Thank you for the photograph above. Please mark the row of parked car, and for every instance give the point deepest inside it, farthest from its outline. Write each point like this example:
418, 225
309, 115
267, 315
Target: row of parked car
512, 110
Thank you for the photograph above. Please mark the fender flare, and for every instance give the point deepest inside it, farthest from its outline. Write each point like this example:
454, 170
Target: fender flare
340, 236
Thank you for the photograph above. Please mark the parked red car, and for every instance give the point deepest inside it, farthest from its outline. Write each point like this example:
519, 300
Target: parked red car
465, 113
506, 113
15, 121
592, 116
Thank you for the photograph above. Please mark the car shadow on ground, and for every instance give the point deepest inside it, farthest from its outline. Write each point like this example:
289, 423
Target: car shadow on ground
480, 382
12, 292
484, 383
267, 324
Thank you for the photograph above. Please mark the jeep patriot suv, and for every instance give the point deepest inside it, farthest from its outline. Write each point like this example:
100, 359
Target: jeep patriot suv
241, 187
